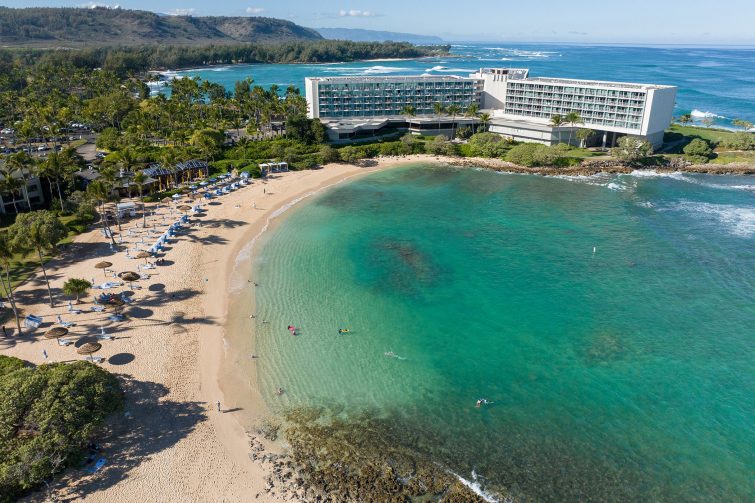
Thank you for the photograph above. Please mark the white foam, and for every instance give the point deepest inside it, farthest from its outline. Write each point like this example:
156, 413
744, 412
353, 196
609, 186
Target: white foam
476, 488
436, 69
738, 220
699, 114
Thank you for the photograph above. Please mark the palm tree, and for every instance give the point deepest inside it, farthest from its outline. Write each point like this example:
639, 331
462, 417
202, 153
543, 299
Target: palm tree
25, 166
685, 119
58, 166
409, 110
583, 134
484, 121
40, 231
573, 118
10, 183
77, 287
109, 178
6, 254
439, 110
139, 179
100, 193
453, 111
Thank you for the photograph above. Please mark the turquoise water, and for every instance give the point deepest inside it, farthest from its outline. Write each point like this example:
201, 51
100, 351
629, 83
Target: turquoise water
715, 82
620, 374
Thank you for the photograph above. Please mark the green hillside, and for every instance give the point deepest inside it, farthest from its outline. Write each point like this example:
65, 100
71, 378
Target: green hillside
71, 27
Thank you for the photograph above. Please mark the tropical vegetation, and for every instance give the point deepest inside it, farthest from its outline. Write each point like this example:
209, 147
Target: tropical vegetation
48, 415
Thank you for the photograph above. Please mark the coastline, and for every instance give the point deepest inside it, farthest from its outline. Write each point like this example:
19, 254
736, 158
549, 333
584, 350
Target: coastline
174, 355
186, 353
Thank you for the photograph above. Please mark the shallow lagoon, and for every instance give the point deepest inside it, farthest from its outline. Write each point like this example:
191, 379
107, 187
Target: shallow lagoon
618, 374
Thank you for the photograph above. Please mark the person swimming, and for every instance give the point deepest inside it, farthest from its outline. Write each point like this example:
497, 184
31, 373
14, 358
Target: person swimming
481, 402
343, 330
279, 391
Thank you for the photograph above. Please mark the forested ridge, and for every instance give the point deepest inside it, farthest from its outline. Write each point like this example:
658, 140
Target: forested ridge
71, 27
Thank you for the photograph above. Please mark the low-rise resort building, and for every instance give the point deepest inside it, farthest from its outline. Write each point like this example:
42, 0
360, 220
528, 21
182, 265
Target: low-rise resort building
518, 106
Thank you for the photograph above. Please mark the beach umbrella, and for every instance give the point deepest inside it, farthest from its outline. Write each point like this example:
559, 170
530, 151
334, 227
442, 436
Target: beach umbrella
184, 207
56, 332
89, 348
143, 254
103, 265
129, 276
176, 196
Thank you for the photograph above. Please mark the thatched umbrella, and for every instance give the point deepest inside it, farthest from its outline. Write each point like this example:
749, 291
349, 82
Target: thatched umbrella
56, 332
89, 348
184, 207
143, 254
129, 276
103, 265
166, 200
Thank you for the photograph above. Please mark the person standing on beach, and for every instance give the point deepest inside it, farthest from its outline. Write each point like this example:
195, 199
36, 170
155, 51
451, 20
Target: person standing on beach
218, 405
44, 353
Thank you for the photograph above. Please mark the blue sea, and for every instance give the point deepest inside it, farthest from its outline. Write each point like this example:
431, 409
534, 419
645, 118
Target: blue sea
608, 320
713, 82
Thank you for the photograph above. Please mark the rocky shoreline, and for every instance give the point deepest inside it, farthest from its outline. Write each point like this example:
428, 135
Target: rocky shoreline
325, 459
589, 168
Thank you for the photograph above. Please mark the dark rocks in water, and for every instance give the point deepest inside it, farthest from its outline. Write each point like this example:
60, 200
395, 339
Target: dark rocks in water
362, 460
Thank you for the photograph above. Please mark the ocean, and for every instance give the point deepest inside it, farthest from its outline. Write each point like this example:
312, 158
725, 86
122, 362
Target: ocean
718, 83
608, 321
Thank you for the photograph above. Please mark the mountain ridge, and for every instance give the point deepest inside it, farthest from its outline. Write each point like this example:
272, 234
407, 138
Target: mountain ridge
70, 26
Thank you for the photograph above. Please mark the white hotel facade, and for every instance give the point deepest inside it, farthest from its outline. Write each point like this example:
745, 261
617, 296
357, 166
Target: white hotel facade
520, 107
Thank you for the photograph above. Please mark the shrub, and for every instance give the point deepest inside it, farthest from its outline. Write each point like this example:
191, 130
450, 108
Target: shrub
632, 149
350, 154
464, 132
523, 154
699, 150
488, 145
48, 414
328, 154
441, 146
10, 364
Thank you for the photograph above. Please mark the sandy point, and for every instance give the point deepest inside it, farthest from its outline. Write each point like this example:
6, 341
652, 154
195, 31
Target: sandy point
174, 353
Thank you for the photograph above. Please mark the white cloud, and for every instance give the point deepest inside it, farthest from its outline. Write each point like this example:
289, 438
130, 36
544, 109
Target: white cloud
254, 10
95, 5
356, 13
181, 12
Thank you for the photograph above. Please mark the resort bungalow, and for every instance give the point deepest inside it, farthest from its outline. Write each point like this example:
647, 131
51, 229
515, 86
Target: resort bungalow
168, 176
273, 167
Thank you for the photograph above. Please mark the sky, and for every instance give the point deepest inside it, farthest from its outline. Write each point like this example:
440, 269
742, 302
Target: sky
698, 22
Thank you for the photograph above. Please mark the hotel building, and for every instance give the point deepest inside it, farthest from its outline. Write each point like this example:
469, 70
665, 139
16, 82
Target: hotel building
520, 107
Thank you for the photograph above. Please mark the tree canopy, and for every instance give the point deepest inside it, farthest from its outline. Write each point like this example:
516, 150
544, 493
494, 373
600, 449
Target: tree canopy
48, 414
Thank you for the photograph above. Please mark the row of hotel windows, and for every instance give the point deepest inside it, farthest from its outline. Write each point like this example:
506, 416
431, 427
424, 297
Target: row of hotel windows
398, 85
401, 99
573, 106
592, 118
528, 98
379, 111
583, 91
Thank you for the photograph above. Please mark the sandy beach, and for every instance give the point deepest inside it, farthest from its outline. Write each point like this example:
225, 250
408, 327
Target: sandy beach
176, 354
